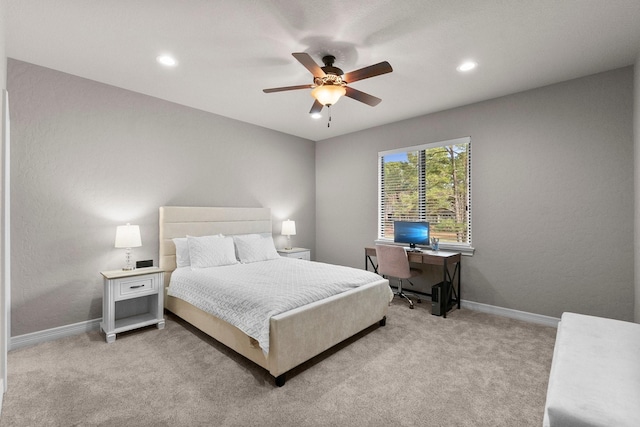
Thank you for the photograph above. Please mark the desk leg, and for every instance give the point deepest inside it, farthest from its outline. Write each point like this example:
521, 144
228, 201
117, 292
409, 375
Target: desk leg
367, 260
459, 267
449, 280
447, 288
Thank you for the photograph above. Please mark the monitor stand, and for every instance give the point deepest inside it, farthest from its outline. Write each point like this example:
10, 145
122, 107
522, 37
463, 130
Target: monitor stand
412, 248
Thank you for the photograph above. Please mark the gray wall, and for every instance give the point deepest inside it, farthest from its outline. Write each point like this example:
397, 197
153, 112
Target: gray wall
552, 187
552, 190
4, 286
88, 157
3, 54
636, 136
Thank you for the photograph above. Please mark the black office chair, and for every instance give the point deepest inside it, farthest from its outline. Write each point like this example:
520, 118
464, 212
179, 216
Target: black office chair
393, 262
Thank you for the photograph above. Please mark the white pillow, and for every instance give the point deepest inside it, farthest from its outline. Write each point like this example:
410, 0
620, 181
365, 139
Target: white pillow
211, 251
182, 252
255, 247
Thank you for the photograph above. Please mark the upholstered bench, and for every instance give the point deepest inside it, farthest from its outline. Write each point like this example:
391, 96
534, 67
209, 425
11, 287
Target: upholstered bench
595, 373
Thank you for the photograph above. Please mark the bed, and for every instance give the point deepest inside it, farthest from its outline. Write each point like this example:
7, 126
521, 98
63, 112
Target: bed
296, 335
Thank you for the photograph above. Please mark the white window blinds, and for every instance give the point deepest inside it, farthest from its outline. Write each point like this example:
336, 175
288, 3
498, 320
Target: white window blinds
431, 183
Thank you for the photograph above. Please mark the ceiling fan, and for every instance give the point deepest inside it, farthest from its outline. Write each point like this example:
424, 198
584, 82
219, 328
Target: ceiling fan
330, 83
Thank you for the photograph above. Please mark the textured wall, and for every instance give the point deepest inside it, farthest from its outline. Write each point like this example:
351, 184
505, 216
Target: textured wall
636, 136
4, 299
552, 195
88, 157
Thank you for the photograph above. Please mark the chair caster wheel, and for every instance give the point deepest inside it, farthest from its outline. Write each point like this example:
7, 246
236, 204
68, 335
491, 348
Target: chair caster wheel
411, 306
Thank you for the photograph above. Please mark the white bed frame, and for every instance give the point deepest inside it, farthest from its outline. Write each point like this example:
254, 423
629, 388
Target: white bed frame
295, 336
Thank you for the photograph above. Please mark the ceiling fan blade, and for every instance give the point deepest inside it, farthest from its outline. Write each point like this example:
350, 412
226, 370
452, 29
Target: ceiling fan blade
366, 72
362, 97
308, 62
316, 107
281, 89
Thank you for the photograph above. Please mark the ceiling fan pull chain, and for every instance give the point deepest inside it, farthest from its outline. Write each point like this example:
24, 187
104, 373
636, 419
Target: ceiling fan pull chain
329, 121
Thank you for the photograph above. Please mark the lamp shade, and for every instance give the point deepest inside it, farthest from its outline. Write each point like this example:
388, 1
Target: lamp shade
128, 236
288, 228
328, 94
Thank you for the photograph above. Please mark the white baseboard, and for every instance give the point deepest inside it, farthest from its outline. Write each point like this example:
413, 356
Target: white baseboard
92, 325
53, 334
513, 314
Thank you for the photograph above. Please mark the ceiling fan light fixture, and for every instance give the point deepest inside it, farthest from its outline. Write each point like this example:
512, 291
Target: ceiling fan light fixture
331, 83
328, 94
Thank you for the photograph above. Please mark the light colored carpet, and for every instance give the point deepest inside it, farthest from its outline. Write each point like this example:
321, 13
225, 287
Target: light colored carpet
470, 369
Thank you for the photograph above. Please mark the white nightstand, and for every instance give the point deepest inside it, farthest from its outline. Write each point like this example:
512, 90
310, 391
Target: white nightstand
131, 299
299, 253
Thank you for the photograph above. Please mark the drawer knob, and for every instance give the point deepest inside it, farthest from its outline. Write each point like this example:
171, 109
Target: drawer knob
136, 286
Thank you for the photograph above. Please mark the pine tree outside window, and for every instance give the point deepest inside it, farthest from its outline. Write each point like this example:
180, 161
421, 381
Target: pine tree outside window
430, 182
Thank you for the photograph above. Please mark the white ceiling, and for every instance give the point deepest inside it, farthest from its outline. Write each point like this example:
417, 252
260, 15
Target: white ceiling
229, 50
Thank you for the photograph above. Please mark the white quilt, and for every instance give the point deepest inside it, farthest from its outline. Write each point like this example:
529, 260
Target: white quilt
248, 295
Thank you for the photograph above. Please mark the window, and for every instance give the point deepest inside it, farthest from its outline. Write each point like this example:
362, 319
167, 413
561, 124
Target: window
430, 182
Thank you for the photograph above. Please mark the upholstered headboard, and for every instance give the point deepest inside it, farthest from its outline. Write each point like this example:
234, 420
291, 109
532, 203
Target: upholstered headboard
180, 221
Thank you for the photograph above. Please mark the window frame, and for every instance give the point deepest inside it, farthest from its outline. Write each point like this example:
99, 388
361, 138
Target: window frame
464, 248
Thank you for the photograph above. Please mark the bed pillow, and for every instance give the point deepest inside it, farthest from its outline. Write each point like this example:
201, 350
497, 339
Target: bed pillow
255, 247
211, 251
182, 252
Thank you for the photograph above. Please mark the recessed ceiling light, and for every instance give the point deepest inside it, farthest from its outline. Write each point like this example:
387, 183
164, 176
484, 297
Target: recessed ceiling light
467, 66
316, 115
167, 60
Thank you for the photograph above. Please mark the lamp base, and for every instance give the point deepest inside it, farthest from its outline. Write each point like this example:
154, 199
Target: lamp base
128, 266
289, 245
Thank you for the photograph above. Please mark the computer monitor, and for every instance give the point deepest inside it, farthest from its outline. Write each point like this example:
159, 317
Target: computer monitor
411, 232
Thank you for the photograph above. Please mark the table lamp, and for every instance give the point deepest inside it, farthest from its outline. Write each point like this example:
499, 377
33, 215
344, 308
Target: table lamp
128, 236
288, 229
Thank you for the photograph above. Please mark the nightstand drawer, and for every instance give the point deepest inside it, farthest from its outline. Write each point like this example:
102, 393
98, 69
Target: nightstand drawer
300, 255
131, 287
297, 253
